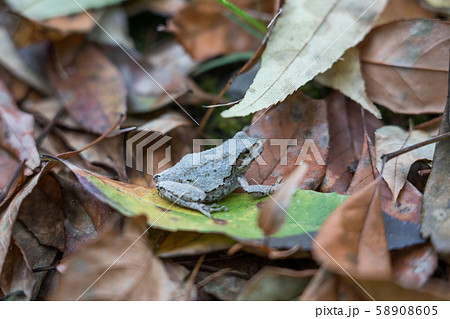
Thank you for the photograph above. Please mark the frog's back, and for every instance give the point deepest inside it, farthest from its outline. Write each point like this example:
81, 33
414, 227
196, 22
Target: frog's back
206, 170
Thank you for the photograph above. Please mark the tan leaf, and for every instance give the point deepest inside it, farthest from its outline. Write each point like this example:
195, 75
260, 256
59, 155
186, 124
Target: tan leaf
405, 65
393, 138
345, 75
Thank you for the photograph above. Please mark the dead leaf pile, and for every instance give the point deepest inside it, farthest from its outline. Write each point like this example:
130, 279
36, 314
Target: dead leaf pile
98, 96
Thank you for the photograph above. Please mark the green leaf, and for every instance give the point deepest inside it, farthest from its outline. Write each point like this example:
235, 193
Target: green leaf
308, 208
308, 38
47, 9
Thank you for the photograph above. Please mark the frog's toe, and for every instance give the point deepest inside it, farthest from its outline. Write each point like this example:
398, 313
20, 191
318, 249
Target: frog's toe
218, 208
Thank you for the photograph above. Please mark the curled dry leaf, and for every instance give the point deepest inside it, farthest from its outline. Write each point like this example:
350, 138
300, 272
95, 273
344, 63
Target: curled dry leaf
203, 28
298, 133
135, 275
273, 211
324, 30
436, 199
405, 65
393, 138
90, 86
17, 135
352, 240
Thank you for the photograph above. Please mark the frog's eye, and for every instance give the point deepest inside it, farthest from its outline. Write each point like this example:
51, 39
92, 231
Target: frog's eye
247, 151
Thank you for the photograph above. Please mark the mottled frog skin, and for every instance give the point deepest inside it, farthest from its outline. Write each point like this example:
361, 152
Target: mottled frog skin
201, 179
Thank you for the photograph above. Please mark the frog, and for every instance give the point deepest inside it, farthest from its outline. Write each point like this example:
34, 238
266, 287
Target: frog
199, 180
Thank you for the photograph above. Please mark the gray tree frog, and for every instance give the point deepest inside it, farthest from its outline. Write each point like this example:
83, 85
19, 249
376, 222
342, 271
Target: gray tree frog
199, 180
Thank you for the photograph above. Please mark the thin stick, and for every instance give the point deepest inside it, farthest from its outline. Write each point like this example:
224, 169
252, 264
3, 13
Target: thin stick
439, 138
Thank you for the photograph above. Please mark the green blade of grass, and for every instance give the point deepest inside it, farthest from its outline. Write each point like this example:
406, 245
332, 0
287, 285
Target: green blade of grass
245, 16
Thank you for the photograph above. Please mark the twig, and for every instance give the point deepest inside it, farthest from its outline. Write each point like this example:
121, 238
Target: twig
439, 138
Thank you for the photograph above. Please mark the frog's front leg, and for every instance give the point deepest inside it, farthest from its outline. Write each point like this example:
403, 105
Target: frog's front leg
187, 195
258, 190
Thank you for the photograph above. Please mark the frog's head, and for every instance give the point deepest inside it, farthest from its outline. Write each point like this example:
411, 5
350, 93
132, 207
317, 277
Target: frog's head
247, 149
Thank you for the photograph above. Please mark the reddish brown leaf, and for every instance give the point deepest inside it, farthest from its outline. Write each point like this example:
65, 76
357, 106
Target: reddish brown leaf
302, 120
354, 236
205, 31
16, 134
90, 86
403, 10
413, 266
346, 139
405, 65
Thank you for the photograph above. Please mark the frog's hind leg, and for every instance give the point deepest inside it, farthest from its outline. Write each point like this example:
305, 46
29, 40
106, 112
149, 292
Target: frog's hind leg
187, 195
258, 190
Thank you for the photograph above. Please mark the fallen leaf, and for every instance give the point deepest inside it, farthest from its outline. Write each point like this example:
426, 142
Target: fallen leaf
405, 65
441, 6
14, 63
322, 287
225, 287
240, 222
404, 10
436, 199
345, 75
165, 123
17, 130
16, 274
119, 264
413, 266
47, 9
204, 30
190, 244
346, 141
273, 283
100, 101
41, 212
273, 211
391, 138
298, 133
352, 240
8, 164
9, 215
324, 30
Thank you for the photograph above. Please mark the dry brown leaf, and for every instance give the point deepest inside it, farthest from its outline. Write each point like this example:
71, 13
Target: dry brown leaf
90, 86
413, 266
203, 28
137, 275
346, 140
353, 238
404, 10
409, 201
322, 287
273, 210
301, 120
28, 31
405, 65
16, 274
17, 130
